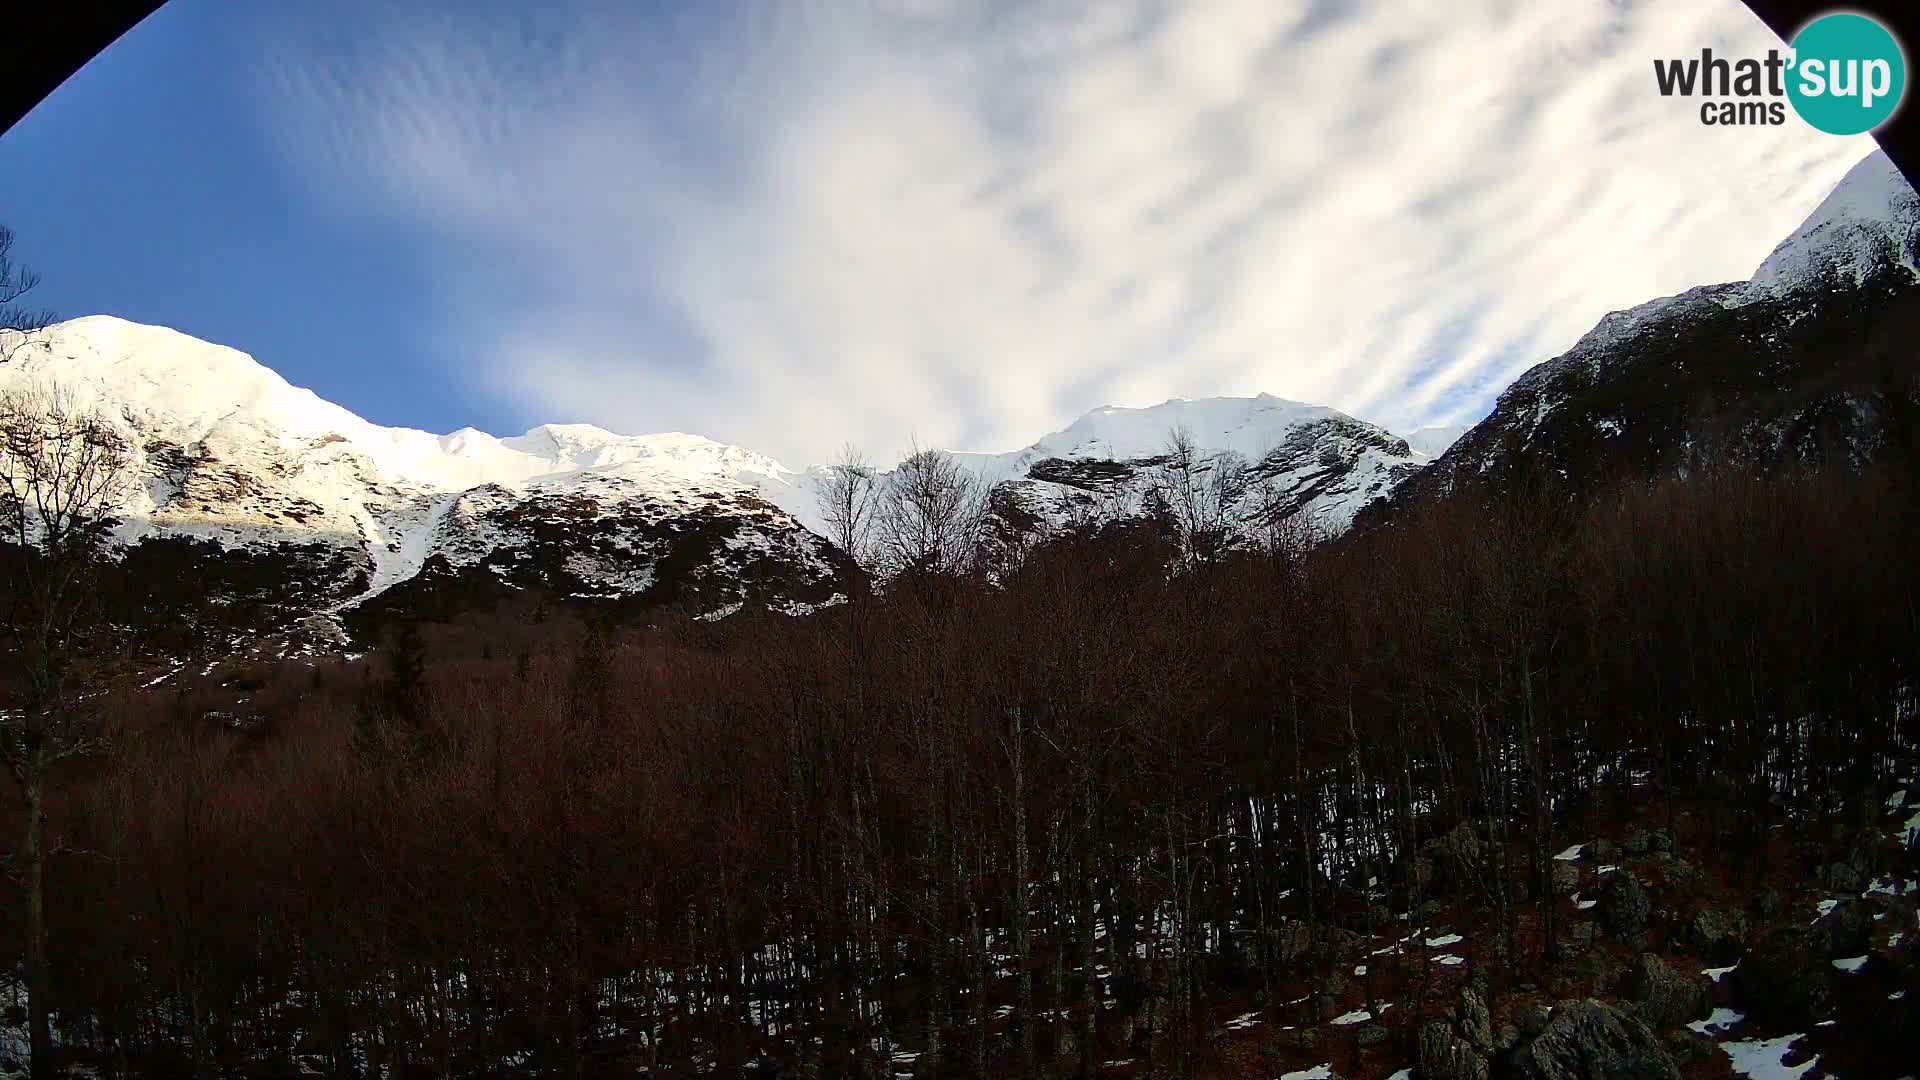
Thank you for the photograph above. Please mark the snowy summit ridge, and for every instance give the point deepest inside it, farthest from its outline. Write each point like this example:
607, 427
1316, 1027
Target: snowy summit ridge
229, 452
1735, 372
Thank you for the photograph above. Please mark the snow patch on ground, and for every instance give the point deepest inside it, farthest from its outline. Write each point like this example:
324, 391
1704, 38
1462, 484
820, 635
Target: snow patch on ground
1243, 1022
1358, 1016
1721, 1020
1764, 1059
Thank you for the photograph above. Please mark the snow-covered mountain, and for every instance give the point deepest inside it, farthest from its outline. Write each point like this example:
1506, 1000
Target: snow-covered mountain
231, 458
1305, 460
1434, 441
234, 463
227, 452
1789, 365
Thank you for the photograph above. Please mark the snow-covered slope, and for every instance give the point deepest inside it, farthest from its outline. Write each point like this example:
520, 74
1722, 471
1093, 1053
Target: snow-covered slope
1434, 441
1752, 371
1299, 459
229, 453
226, 451
1869, 224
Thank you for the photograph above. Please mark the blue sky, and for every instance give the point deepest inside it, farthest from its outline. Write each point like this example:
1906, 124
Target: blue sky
800, 223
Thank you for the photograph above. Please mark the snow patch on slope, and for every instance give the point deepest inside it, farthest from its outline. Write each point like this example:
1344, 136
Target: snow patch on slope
227, 451
1869, 221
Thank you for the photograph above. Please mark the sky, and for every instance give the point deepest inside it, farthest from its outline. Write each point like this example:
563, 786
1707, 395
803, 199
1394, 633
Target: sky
800, 224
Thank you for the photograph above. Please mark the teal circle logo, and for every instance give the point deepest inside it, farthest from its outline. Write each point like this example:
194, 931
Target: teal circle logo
1848, 74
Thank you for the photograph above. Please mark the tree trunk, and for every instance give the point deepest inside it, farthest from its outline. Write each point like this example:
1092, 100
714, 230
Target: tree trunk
1022, 933
39, 972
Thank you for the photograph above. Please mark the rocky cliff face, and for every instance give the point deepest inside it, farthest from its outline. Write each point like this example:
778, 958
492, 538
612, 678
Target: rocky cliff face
1811, 359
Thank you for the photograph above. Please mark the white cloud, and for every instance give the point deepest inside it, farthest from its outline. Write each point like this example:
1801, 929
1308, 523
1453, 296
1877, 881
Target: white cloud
969, 223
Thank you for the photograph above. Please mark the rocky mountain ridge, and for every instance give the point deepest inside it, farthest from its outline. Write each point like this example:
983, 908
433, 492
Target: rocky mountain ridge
1809, 359
234, 464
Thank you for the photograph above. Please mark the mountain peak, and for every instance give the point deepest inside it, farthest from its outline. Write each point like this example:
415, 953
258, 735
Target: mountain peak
1249, 425
576, 434
1868, 222
131, 368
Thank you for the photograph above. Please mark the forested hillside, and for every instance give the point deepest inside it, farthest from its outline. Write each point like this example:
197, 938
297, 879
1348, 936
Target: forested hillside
1375, 805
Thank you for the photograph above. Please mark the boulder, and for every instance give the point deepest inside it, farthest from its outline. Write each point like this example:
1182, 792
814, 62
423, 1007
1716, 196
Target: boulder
1566, 878
1663, 997
1720, 936
1847, 930
1624, 906
1681, 871
1446, 1056
1783, 980
1531, 1019
1841, 877
1591, 1040
1691, 1045
1476, 1022
1456, 859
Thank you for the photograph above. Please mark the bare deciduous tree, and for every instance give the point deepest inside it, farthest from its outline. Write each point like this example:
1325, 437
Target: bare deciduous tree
848, 499
1202, 493
17, 321
931, 515
62, 469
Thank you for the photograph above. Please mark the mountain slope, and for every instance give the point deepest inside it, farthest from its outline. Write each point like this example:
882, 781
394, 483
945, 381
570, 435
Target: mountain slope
1306, 460
1811, 358
237, 469
230, 458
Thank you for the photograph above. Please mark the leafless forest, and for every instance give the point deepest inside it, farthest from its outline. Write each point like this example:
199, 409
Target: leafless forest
1071, 804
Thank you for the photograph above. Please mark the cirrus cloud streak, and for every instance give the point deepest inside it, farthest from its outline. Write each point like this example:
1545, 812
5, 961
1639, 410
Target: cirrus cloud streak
795, 225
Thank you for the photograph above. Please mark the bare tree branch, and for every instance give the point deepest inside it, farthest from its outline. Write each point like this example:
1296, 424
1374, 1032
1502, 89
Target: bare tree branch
18, 323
